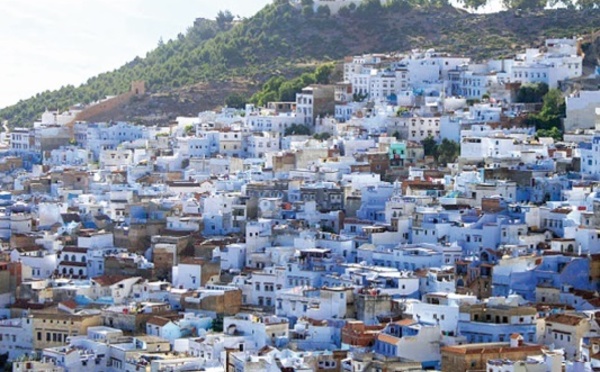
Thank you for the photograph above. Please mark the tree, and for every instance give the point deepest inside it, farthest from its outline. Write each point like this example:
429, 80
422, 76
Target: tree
344, 11
327, 229
525, 4
322, 136
473, 4
308, 11
370, 7
429, 146
554, 103
236, 100
323, 11
287, 91
551, 113
359, 97
297, 129
267, 97
532, 93
323, 72
554, 133
584, 4
273, 83
402, 110
307, 79
447, 151
224, 19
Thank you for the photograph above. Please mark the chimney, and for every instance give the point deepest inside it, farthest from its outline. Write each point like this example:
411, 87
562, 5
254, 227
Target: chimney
516, 340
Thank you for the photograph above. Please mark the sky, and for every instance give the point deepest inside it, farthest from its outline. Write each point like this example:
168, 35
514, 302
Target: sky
45, 44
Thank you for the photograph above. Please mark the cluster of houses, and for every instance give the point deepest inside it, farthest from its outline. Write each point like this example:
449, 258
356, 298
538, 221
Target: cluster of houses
227, 241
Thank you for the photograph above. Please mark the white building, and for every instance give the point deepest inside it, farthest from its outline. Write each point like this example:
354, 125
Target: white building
115, 160
324, 303
16, 337
559, 62
188, 275
264, 330
260, 143
440, 309
260, 121
581, 109
68, 155
21, 140
105, 136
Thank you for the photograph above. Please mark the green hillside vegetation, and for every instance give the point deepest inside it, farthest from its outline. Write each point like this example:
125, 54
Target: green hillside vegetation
283, 41
278, 88
536, 4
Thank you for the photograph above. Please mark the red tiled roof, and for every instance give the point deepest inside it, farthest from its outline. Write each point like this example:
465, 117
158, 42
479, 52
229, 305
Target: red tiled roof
108, 280
158, 321
387, 338
69, 304
566, 319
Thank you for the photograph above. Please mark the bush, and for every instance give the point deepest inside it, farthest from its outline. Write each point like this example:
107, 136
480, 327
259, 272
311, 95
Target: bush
236, 100
532, 93
297, 129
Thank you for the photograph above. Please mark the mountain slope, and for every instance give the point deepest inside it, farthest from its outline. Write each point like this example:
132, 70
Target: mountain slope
282, 40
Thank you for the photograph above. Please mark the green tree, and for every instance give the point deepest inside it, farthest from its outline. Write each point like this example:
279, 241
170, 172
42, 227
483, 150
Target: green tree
287, 91
307, 79
297, 129
551, 113
370, 7
224, 19
553, 132
401, 111
554, 103
447, 151
307, 11
323, 73
323, 11
236, 100
344, 11
584, 4
525, 4
322, 136
474, 4
268, 97
273, 84
532, 93
429, 146
359, 97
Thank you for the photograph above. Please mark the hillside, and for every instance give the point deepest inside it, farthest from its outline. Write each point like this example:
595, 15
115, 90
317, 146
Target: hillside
282, 40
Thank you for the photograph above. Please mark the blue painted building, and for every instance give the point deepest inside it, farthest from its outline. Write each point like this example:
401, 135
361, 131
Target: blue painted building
497, 321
